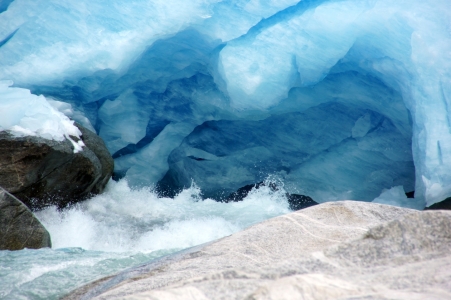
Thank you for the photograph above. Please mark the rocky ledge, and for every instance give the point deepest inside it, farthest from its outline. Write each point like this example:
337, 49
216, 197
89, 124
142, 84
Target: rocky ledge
43, 172
345, 250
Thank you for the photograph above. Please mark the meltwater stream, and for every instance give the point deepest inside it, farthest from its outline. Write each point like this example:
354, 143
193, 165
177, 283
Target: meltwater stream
123, 228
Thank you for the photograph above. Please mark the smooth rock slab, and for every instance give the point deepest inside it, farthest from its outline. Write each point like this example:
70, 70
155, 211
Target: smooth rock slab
289, 238
19, 228
403, 259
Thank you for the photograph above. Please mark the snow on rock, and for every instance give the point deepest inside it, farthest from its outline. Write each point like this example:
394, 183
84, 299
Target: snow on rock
26, 114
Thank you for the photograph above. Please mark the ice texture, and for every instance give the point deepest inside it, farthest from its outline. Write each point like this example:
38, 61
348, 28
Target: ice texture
302, 148
397, 196
341, 99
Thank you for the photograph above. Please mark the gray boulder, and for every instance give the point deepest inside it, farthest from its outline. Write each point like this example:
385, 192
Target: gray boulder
43, 172
407, 257
19, 228
245, 264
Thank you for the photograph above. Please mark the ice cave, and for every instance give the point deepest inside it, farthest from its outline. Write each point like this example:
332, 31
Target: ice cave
338, 99
199, 100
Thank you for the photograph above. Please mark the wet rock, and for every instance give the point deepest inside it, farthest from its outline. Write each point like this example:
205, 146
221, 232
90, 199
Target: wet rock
298, 202
19, 228
43, 172
295, 201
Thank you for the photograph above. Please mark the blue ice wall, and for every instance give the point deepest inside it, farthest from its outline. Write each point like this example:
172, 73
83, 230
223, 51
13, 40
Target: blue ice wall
341, 99
4, 5
331, 141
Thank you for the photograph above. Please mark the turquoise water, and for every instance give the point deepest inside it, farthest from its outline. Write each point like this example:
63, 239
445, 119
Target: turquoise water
123, 228
52, 273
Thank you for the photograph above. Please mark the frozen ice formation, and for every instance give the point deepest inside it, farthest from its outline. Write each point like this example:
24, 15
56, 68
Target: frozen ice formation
340, 99
330, 140
394, 196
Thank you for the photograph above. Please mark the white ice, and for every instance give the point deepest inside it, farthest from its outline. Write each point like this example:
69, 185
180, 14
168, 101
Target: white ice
30, 115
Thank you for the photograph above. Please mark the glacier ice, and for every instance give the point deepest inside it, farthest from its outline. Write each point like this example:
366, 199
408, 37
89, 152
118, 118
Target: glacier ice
303, 148
341, 99
396, 196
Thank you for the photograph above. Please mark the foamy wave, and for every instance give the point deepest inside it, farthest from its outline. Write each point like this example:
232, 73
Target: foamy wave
137, 220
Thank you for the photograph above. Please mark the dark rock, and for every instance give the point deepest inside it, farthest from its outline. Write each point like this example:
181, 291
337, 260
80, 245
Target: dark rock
43, 172
445, 204
96, 145
295, 201
19, 228
242, 192
298, 202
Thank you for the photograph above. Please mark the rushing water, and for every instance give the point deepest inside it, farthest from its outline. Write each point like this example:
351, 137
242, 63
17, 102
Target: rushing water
123, 228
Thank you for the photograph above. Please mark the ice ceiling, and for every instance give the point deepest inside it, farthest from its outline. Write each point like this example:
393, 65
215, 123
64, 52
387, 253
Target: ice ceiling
340, 99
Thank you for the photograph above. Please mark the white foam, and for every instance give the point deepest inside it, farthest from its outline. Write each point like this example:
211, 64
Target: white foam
123, 219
